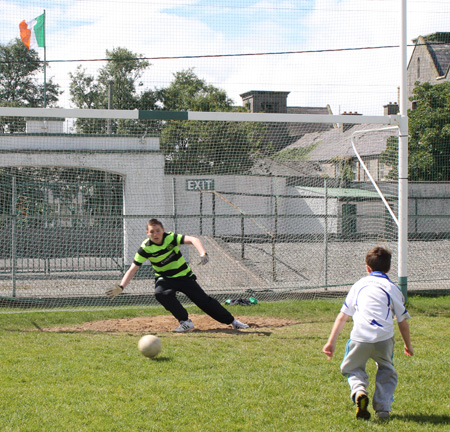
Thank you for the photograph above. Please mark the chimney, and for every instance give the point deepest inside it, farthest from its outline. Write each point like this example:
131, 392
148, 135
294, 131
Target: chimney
346, 126
391, 109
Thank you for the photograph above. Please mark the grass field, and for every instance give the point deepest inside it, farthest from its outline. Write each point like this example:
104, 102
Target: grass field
256, 380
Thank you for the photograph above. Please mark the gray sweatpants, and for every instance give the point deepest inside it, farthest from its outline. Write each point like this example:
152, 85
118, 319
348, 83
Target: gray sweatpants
354, 368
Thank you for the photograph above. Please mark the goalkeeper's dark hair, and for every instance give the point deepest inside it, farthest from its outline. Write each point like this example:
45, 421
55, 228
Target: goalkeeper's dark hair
379, 259
153, 221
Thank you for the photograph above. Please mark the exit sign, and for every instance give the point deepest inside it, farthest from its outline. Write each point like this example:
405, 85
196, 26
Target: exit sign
199, 184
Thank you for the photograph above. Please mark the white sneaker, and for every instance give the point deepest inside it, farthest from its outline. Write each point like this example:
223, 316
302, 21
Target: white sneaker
185, 327
238, 325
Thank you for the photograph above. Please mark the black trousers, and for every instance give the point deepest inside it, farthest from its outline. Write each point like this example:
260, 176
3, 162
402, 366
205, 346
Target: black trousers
165, 293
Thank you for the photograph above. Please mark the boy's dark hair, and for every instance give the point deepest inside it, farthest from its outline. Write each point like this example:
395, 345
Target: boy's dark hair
155, 222
379, 259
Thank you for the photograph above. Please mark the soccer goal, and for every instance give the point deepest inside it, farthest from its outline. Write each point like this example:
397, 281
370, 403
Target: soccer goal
286, 205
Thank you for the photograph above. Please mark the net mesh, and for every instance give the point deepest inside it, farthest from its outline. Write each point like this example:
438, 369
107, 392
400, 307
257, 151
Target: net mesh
281, 216
286, 207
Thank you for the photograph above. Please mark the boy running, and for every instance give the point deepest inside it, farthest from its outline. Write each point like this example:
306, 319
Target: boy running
373, 302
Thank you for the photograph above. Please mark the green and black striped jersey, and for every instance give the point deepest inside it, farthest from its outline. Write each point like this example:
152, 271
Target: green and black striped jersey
166, 258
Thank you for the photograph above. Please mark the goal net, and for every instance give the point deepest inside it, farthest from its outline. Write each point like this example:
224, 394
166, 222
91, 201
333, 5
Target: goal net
286, 205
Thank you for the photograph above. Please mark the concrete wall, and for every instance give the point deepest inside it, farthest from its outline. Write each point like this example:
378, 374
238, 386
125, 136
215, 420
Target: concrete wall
143, 179
188, 202
227, 204
78, 143
427, 199
256, 196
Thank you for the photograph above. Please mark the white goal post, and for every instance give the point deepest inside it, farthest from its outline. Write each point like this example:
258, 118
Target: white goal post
241, 213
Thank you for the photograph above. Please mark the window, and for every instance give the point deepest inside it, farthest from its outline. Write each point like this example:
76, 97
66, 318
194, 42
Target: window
270, 107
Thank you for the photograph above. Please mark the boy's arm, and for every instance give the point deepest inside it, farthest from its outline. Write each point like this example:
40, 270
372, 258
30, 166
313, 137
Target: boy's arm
199, 246
129, 275
118, 289
404, 331
330, 346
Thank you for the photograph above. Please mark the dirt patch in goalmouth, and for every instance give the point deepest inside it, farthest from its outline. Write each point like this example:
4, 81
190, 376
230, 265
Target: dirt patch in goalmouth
166, 323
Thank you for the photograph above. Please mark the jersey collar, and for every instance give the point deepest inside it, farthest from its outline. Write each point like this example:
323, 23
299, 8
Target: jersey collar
379, 274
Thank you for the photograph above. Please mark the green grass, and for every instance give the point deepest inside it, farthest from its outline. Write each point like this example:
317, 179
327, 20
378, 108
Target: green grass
256, 380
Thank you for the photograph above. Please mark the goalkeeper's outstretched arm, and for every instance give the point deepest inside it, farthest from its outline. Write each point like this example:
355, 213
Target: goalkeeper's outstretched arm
118, 289
129, 275
199, 246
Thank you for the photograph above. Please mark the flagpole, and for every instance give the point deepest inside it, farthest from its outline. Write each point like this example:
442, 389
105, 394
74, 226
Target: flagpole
45, 67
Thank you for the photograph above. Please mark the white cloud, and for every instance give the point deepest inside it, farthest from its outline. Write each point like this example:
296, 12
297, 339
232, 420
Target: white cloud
359, 80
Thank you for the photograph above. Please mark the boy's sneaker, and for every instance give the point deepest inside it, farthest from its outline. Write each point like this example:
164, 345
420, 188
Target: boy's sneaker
185, 327
238, 325
362, 403
383, 415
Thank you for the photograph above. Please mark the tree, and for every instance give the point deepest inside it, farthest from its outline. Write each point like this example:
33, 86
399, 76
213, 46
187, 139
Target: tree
188, 92
199, 147
122, 72
429, 135
19, 84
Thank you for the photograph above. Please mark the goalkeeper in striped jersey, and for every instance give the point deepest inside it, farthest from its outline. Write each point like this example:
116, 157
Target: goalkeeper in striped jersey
174, 275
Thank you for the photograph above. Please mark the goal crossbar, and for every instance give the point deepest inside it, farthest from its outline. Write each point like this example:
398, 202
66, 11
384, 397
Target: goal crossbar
195, 115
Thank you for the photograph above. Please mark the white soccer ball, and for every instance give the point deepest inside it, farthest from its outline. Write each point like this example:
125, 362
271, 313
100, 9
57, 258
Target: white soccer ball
149, 345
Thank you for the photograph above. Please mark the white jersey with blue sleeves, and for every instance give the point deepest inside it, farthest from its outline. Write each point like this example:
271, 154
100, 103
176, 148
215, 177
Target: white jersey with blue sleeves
373, 302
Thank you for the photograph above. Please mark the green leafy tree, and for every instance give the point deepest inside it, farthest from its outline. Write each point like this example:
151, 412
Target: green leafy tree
20, 85
344, 167
122, 73
429, 135
188, 92
199, 147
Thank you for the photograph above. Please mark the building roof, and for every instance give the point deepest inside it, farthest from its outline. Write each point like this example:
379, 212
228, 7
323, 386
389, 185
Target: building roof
335, 143
298, 129
339, 192
268, 166
440, 54
264, 92
309, 110
438, 45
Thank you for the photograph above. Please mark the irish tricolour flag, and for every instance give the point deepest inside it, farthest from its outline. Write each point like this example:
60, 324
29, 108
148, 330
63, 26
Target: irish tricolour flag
32, 32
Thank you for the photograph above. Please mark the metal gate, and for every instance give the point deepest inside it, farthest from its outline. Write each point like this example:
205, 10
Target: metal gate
60, 227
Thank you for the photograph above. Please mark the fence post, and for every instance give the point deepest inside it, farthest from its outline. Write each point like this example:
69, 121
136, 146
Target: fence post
325, 233
201, 212
242, 237
13, 237
213, 205
174, 193
274, 238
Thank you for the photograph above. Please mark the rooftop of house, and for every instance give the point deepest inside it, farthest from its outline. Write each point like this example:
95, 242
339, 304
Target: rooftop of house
333, 143
341, 192
441, 56
438, 45
270, 166
309, 110
250, 93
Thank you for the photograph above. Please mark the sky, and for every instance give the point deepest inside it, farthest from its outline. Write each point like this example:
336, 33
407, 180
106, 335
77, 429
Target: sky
340, 53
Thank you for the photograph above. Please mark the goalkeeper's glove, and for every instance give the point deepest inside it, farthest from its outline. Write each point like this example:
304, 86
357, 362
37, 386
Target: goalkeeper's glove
203, 259
114, 292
